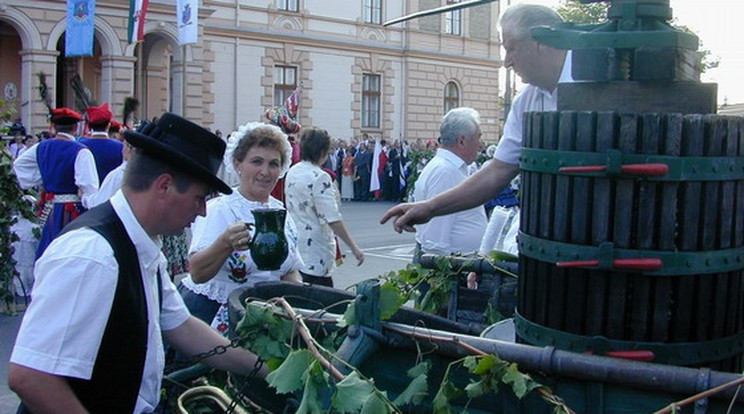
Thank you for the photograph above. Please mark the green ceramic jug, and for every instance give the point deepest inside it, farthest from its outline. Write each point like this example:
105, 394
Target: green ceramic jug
269, 247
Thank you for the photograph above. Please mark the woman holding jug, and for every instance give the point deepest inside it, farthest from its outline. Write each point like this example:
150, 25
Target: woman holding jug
219, 254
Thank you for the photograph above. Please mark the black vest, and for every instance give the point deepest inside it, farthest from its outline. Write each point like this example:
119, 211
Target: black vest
117, 373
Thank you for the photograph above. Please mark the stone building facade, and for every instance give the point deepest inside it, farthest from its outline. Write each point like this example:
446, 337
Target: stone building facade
356, 75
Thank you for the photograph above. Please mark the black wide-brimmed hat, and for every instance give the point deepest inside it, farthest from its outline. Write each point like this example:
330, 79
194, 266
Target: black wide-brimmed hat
183, 145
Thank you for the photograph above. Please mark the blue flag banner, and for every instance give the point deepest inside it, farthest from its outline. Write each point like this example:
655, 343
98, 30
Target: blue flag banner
188, 29
80, 27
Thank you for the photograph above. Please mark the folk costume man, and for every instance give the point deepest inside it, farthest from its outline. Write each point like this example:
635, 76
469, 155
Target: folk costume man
106, 151
65, 168
540, 66
91, 340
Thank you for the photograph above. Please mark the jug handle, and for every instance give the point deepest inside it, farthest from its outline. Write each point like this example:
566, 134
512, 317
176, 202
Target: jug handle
249, 227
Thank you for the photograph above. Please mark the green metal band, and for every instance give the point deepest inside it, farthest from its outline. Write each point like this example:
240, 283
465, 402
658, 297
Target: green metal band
674, 263
674, 353
680, 168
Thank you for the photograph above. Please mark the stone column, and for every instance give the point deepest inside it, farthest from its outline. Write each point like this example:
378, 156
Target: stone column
117, 74
34, 114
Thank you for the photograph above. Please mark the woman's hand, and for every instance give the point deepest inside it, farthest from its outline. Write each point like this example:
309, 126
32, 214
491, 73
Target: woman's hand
359, 255
238, 236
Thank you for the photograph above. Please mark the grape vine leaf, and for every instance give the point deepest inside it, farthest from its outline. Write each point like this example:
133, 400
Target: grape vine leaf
447, 391
351, 393
391, 299
415, 392
315, 379
521, 383
349, 317
375, 404
288, 376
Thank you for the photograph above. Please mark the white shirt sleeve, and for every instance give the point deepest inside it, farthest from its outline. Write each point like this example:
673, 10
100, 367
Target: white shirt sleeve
509, 148
75, 287
86, 176
27, 169
109, 186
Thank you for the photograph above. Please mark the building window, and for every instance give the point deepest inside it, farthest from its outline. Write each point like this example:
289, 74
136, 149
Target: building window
285, 82
371, 101
451, 96
453, 20
289, 5
373, 11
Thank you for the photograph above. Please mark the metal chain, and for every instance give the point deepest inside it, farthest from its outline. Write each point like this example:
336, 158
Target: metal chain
218, 350
241, 392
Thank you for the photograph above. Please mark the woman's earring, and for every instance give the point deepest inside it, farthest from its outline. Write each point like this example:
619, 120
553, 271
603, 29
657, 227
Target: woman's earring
240, 172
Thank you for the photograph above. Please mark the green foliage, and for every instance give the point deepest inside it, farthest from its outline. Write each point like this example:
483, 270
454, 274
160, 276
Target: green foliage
418, 160
315, 379
11, 204
302, 371
580, 13
352, 393
287, 377
267, 334
418, 389
491, 374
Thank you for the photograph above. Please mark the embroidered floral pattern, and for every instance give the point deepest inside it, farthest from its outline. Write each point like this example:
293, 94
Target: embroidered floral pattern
237, 266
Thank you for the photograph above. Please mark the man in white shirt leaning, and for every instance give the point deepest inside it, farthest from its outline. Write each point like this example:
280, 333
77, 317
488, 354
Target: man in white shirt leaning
540, 66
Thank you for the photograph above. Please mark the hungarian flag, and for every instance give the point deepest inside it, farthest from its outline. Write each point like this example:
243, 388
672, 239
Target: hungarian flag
136, 28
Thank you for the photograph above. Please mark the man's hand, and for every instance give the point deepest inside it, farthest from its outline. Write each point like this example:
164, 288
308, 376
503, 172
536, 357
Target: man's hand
407, 215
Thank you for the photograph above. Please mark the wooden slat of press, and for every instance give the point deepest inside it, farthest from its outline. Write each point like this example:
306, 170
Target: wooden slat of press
601, 218
527, 294
532, 288
528, 209
551, 298
580, 202
729, 294
642, 323
666, 219
719, 282
642, 232
689, 212
547, 181
623, 202
735, 321
559, 290
707, 223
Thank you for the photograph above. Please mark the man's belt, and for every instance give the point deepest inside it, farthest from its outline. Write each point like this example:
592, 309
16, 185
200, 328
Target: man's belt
65, 198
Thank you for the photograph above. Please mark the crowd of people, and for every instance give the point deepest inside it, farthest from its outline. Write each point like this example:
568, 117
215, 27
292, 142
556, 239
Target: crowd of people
101, 276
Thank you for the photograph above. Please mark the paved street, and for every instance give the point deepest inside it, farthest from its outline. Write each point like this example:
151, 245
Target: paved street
384, 250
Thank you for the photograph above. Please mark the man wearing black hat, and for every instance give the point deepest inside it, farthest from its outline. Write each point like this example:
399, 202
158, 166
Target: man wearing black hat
91, 338
65, 168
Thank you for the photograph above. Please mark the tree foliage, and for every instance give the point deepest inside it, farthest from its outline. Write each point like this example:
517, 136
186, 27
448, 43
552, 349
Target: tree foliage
580, 13
12, 203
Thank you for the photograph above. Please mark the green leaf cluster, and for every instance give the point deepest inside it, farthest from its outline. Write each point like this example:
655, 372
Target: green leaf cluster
491, 374
12, 204
266, 334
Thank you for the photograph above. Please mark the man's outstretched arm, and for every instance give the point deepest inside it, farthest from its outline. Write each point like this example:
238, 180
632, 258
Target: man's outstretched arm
476, 190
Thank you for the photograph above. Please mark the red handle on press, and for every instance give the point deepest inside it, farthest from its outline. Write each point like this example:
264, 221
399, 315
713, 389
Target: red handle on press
637, 264
643, 356
635, 169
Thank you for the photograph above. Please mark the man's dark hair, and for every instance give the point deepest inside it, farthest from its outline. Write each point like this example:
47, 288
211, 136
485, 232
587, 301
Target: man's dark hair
314, 144
142, 169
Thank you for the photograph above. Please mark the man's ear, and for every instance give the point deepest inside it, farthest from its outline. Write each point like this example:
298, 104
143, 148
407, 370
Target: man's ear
162, 183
